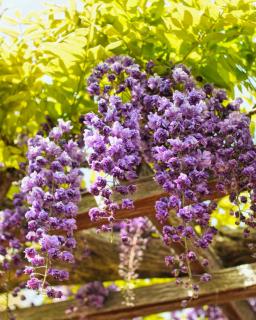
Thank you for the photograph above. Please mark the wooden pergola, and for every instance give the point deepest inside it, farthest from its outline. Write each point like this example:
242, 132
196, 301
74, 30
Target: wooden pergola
230, 263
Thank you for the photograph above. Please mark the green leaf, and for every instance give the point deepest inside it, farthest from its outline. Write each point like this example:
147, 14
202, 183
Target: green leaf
97, 53
114, 45
187, 19
176, 23
132, 3
214, 37
9, 32
181, 35
23, 95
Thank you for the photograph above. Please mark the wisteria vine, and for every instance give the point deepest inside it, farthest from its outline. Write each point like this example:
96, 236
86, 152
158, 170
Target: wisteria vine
197, 141
134, 238
12, 244
195, 138
52, 189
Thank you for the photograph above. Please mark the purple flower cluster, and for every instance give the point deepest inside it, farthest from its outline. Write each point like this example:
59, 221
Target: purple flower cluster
134, 239
194, 137
210, 312
12, 236
94, 294
252, 302
113, 135
52, 190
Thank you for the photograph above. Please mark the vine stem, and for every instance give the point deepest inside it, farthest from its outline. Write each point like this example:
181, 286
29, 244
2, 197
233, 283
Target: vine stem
187, 260
132, 254
128, 290
251, 113
7, 295
46, 271
186, 243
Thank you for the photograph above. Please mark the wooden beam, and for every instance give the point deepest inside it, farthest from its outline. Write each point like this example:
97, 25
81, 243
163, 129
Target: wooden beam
227, 285
231, 246
148, 191
102, 263
144, 199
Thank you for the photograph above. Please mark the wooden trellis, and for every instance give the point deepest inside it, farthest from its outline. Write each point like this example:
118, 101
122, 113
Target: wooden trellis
229, 287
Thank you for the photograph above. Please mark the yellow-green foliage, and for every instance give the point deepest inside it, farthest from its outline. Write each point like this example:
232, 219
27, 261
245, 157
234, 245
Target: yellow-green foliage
221, 216
46, 57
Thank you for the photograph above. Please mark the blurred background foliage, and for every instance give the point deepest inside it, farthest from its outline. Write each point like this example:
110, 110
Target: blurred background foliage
46, 56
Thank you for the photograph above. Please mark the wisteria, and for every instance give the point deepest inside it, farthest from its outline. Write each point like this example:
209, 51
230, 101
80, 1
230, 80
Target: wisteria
12, 245
134, 238
198, 144
194, 137
210, 312
52, 191
94, 294
113, 135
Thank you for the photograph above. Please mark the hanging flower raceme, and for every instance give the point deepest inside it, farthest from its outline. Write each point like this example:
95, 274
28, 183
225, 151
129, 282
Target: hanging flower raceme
209, 312
52, 189
134, 239
94, 294
10, 239
12, 242
113, 135
197, 141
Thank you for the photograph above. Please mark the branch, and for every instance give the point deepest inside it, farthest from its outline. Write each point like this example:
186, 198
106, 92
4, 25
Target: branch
251, 113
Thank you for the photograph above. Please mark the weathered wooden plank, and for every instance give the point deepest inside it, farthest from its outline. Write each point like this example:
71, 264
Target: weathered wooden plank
144, 200
148, 191
103, 260
238, 310
231, 246
102, 263
227, 285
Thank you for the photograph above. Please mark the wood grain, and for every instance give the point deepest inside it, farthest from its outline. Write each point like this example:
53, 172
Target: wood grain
148, 191
227, 285
102, 263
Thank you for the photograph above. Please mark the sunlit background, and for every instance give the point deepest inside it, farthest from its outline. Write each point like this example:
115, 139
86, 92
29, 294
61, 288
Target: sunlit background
25, 6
